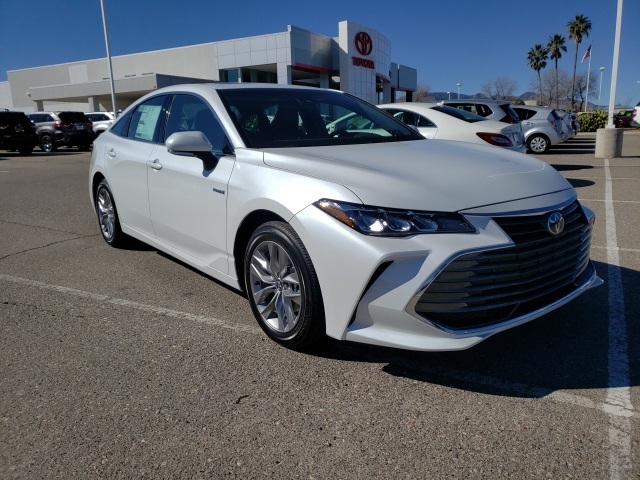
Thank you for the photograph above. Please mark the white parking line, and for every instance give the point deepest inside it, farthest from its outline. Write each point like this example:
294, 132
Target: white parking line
613, 201
543, 393
617, 249
618, 391
128, 303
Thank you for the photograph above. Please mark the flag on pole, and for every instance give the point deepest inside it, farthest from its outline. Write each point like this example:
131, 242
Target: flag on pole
586, 55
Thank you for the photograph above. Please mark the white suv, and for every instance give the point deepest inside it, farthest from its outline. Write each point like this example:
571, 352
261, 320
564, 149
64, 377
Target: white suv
101, 121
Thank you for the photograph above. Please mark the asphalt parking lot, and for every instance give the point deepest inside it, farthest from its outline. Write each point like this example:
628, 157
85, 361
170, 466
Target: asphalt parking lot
128, 364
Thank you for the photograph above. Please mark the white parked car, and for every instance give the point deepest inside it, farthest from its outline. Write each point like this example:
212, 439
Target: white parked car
635, 116
449, 123
101, 121
384, 239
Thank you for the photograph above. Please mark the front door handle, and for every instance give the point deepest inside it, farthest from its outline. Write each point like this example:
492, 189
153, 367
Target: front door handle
111, 152
155, 164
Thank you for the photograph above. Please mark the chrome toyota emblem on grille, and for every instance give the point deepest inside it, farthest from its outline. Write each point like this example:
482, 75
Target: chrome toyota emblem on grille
555, 223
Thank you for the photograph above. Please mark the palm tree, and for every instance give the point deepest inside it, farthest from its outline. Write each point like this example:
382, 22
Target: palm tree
555, 47
537, 59
578, 27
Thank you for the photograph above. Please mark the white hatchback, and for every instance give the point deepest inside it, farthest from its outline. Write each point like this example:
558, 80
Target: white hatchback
377, 236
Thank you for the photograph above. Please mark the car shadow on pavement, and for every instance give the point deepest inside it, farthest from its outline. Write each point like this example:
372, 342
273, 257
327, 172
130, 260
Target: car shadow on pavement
564, 350
580, 183
568, 168
575, 145
39, 155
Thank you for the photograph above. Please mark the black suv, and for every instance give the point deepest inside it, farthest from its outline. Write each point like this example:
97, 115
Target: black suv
68, 129
17, 132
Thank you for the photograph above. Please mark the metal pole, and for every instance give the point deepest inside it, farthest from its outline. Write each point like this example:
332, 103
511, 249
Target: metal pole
106, 41
600, 92
459, 85
586, 102
614, 70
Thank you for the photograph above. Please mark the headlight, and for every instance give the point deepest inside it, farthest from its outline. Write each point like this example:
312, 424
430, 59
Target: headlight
386, 222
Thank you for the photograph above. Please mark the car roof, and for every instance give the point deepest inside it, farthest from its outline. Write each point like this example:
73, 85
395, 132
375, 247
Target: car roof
477, 100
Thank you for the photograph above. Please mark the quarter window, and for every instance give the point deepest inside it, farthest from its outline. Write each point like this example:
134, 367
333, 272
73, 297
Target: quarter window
146, 118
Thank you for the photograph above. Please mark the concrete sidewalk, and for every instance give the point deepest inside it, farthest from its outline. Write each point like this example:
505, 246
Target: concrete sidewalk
584, 145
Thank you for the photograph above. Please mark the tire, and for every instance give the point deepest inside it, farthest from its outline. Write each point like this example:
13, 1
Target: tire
538, 144
108, 216
46, 143
283, 288
26, 151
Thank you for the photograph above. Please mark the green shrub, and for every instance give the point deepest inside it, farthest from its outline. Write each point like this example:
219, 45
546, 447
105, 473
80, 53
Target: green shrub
592, 121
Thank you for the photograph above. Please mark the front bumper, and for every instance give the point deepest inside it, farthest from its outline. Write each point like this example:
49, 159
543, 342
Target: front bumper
371, 286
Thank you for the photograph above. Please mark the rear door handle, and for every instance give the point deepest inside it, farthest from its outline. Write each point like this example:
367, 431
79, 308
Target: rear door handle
155, 164
111, 152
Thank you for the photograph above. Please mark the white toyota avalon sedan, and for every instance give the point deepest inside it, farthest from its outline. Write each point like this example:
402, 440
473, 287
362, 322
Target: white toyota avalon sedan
375, 236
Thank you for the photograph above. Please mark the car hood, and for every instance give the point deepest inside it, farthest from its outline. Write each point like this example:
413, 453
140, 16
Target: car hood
424, 174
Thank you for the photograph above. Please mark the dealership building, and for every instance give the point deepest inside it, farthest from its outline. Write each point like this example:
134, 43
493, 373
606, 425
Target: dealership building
357, 61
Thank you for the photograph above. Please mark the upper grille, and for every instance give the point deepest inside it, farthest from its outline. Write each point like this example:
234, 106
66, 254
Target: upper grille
480, 289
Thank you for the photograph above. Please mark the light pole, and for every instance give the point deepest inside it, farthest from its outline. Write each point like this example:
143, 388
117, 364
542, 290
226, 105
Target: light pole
459, 85
600, 92
449, 93
106, 41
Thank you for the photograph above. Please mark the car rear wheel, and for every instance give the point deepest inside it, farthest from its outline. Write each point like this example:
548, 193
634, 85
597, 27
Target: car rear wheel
283, 288
108, 216
538, 144
46, 143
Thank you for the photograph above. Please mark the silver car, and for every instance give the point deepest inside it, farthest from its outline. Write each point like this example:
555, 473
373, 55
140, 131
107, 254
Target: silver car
542, 127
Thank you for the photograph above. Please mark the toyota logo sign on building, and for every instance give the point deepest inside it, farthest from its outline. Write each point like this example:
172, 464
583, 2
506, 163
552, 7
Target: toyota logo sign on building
364, 44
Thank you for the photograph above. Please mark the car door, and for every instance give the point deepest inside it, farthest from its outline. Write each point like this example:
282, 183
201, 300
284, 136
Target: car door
126, 154
188, 202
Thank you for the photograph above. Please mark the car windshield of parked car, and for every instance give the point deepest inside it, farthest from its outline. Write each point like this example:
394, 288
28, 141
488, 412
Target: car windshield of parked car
460, 114
73, 117
278, 118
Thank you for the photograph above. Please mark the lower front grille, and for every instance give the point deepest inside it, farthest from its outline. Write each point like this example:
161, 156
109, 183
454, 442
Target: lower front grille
493, 286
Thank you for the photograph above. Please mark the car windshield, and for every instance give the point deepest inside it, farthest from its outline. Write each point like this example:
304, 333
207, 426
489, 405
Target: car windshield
278, 118
459, 114
71, 117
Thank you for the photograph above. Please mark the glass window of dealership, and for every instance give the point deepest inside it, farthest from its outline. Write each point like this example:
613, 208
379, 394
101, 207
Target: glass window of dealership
357, 61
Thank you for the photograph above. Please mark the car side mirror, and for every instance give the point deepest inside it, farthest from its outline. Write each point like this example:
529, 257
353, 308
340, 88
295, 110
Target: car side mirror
192, 144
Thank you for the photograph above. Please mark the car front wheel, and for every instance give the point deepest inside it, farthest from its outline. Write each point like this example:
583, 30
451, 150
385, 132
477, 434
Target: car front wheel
283, 288
108, 216
538, 144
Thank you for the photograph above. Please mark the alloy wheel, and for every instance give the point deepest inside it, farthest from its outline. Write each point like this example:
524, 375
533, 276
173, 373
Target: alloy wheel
276, 287
106, 213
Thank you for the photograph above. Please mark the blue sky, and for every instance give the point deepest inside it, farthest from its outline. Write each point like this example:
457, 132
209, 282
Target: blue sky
467, 41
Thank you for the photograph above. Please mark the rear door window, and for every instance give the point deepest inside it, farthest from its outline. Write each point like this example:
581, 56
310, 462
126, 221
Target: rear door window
146, 118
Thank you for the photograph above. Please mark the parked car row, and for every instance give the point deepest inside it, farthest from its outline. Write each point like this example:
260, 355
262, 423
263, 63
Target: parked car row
531, 128
50, 130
